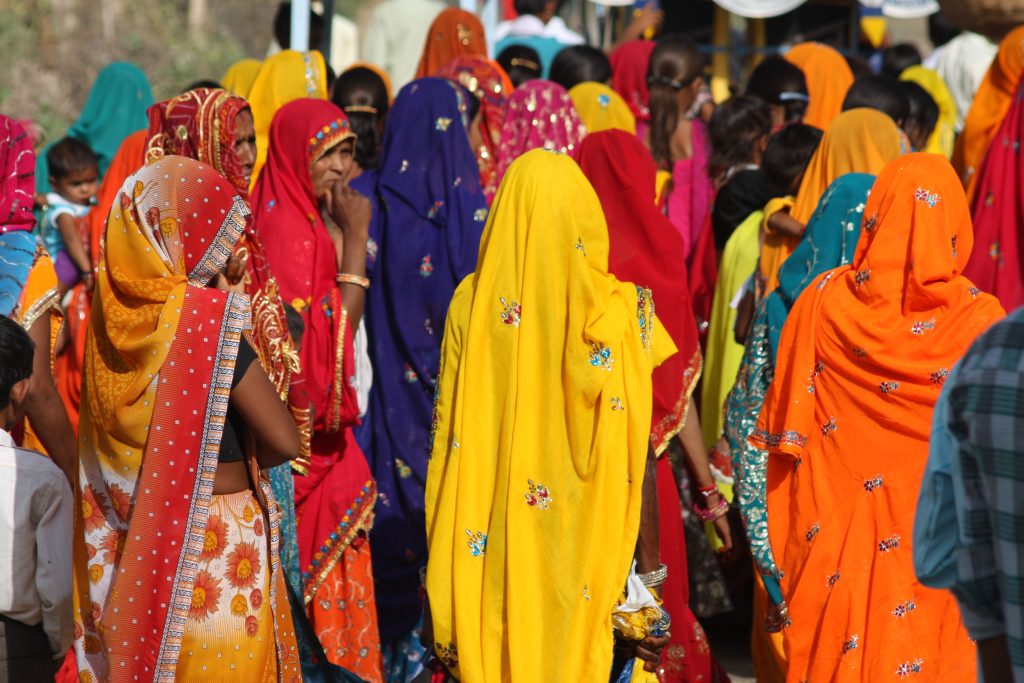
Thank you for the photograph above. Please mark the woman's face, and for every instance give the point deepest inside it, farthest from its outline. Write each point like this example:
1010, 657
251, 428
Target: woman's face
245, 142
332, 167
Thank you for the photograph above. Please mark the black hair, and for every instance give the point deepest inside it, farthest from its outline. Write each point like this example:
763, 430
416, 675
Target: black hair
16, 355
778, 81
283, 27
788, 153
331, 75
363, 96
922, 110
898, 57
69, 155
675, 64
735, 128
579, 64
296, 327
521, 63
878, 92
858, 66
941, 30
534, 7
201, 83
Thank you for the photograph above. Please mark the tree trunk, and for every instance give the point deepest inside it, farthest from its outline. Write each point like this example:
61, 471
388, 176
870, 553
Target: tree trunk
196, 14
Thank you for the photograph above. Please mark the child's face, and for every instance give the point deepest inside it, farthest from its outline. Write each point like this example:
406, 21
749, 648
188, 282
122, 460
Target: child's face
77, 186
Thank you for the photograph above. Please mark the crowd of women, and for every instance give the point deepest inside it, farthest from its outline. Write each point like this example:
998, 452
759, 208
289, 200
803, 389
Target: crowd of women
297, 301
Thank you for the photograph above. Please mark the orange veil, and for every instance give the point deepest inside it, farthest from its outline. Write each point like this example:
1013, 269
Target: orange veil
846, 422
857, 141
828, 78
455, 32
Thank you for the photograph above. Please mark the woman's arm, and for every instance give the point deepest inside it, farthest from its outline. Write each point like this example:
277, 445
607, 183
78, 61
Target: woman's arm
648, 557
692, 441
782, 223
45, 409
268, 420
352, 212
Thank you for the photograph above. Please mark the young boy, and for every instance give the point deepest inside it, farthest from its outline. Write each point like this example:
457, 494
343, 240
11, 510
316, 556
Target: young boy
36, 625
74, 177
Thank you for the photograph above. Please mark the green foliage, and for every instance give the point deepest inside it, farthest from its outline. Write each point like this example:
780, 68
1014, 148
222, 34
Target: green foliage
54, 48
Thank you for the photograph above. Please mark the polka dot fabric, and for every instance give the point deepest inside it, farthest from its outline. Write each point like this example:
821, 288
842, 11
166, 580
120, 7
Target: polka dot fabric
158, 370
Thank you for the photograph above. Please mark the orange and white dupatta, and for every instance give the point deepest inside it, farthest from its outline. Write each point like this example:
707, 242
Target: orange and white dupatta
159, 362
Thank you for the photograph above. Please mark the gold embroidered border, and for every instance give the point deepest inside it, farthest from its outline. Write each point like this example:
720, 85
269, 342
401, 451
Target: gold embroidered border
673, 423
339, 353
362, 522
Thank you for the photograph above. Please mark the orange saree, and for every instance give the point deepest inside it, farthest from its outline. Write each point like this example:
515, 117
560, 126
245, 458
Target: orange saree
846, 422
454, 33
828, 78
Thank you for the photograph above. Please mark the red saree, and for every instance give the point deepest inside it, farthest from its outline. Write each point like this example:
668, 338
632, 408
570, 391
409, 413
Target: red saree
629, 75
996, 264
334, 499
641, 241
200, 124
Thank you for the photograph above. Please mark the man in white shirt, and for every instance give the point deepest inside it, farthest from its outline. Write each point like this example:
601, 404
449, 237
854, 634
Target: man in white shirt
536, 27
537, 19
36, 626
395, 35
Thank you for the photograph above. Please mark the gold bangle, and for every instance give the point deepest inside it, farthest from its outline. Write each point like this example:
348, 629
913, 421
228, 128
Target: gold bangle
349, 279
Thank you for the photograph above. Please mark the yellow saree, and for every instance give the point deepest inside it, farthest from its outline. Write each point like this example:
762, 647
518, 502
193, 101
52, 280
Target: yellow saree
722, 361
601, 108
287, 76
546, 388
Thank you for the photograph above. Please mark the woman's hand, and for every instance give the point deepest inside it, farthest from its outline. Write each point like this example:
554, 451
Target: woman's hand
222, 283
647, 650
351, 211
721, 525
235, 269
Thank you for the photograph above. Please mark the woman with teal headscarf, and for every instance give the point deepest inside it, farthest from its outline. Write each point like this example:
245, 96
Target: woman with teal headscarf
116, 107
828, 243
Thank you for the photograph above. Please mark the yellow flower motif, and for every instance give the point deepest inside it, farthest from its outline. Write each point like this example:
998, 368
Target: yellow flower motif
95, 572
248, 514
86, 677
239, 606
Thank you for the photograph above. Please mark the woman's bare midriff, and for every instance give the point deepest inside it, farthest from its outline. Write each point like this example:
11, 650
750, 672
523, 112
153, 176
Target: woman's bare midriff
231, 478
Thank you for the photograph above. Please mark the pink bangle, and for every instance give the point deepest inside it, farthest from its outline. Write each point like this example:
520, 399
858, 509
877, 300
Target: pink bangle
714, 513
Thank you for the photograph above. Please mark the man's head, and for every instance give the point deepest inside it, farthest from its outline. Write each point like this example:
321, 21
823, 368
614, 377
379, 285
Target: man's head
16, 355
542, 9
